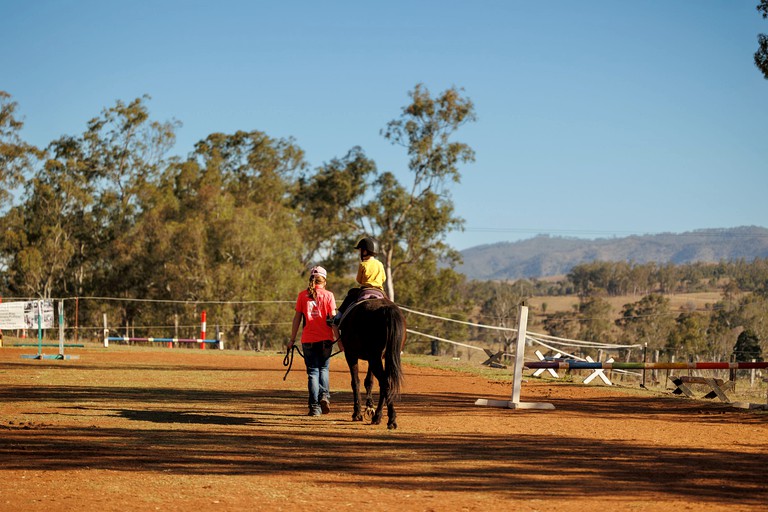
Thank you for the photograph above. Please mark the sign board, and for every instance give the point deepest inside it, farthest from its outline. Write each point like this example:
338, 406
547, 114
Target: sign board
23, 315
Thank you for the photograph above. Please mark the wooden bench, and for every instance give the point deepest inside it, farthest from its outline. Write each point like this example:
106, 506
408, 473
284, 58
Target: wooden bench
718, 387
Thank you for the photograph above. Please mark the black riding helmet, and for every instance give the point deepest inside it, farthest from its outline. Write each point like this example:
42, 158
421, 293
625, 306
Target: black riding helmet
369, 244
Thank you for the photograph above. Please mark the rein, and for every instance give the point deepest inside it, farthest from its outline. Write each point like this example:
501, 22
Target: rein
288, 359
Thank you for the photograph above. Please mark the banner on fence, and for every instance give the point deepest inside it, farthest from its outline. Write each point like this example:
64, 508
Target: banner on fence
23, 315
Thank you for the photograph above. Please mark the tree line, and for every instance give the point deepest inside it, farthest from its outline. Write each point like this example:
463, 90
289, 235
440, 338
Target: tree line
233, 226
109, 212
734, 326
628, 278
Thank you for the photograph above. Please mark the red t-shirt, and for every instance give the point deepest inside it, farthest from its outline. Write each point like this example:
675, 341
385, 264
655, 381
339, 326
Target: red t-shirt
315, 327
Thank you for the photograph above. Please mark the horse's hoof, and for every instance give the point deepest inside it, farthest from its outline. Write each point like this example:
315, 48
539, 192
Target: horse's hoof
392, 426
376, 421
357, 417
369, 412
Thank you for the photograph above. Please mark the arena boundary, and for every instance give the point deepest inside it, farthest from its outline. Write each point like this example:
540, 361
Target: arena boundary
202, 341
573, 362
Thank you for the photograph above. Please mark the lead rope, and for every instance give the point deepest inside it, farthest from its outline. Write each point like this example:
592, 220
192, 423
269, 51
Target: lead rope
288, 359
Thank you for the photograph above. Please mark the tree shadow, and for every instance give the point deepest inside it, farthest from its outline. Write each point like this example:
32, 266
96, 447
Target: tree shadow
183, 417
260, 432
266, 436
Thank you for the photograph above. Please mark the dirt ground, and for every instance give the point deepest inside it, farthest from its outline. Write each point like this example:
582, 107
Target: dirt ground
170, 430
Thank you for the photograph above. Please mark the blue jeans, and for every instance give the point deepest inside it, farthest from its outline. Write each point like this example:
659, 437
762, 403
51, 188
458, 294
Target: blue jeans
317, 357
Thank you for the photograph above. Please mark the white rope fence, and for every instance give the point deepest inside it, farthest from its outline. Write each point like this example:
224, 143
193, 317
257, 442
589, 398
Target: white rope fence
456, 321
532, 336
445, 340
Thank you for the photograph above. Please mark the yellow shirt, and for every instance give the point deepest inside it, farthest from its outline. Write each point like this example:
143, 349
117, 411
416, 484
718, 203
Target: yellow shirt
370, 274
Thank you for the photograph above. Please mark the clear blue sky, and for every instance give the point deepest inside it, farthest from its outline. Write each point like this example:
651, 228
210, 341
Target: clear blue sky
595, 118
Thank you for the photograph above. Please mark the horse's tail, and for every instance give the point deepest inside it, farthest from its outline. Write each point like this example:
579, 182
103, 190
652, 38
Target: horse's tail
395, 327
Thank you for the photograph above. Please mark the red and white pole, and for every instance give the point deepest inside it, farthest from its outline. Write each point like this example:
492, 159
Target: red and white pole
202, 331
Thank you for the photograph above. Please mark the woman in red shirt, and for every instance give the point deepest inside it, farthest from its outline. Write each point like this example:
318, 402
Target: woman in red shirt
313, 306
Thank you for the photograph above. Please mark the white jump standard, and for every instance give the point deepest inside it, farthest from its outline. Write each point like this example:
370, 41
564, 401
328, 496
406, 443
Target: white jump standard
517, 377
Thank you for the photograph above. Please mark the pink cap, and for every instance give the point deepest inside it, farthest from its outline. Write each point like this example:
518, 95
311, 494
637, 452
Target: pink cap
318, 271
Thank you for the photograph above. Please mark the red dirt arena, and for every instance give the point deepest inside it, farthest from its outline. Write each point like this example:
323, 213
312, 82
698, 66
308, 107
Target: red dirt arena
130, 428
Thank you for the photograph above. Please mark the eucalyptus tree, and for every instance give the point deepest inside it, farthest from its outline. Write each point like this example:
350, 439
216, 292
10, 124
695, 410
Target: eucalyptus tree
125, 153
45, 234
563, 324
438, 290
411, 222
42, 235
501, 309
751, 314
17, 157
747, 347
595, 319
329, 205
82, 202
225, 230
761, 55
648, 320
689, 337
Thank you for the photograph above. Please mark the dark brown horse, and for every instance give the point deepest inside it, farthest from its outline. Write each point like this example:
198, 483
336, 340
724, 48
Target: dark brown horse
374, 330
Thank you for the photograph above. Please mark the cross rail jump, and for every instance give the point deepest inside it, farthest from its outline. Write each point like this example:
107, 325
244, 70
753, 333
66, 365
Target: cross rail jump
598, 365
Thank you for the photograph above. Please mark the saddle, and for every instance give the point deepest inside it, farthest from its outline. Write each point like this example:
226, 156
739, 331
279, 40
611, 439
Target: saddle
365, 294
369, 293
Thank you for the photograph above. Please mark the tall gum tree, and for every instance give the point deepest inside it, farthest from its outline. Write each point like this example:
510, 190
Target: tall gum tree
761, 55
411, 222
16, 156
328, 205
224, 229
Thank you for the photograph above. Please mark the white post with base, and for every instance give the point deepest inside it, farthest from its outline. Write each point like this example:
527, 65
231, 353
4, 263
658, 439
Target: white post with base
517, 377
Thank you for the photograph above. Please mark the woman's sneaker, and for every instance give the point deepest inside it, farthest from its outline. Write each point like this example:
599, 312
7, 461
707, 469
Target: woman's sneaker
325, 405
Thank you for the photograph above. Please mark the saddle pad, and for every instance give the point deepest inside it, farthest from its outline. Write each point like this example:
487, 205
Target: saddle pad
370, 293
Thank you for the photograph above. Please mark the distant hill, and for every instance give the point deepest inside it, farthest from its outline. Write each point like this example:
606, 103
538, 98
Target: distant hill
546, 255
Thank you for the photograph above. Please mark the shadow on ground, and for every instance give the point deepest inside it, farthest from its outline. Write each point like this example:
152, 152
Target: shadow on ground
214, 432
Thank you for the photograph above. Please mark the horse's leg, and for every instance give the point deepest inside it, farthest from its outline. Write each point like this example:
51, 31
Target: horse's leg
369, 410
352, 363
391, 415
378, 371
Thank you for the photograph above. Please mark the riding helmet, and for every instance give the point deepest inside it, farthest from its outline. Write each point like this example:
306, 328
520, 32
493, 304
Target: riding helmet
369, 244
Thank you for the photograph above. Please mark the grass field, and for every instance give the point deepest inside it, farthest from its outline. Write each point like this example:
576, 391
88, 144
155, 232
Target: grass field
678, 302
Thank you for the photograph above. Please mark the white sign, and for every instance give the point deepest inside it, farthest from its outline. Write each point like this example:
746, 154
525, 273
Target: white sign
24, 315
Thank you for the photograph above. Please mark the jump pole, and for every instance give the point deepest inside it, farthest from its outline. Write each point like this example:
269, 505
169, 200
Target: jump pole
517, 377
202, 329
586, 365
219, 342
163, 340
61, 327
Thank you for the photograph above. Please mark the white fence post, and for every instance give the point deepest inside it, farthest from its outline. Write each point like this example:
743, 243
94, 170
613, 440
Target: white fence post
517, 377
106, 332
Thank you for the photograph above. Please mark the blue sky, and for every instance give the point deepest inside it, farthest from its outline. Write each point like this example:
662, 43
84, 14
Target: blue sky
595, 118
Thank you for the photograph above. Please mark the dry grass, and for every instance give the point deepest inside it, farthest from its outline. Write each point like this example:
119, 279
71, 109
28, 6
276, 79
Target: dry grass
678, 302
